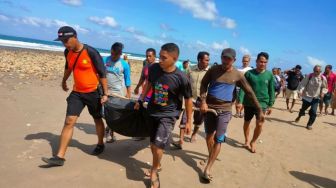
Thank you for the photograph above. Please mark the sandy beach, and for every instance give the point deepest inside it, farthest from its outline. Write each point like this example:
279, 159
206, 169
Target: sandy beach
32, 113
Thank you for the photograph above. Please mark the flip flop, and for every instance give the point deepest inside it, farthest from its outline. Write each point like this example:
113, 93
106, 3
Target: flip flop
177, 145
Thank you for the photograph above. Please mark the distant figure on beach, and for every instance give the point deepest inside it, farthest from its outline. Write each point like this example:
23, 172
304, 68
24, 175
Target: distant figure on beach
186, 68
243, 69
312, 89
170, 86
217, 92
294, 77
283, 78
262, 83
88, 70
331, 81
195, 75
118, 78
277, 81
150, 60
125, 57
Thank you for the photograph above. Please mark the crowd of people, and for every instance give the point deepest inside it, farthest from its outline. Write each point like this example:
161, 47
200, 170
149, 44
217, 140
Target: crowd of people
209, 91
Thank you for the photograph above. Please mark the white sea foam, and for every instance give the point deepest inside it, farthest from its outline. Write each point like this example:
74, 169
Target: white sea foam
30, 45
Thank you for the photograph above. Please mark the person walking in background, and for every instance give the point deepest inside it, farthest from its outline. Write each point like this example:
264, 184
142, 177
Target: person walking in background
195, 75
238, 104
88, 70
277, 81
294, 78
312, 89
150, 60
118, 79
331, 81
262, 83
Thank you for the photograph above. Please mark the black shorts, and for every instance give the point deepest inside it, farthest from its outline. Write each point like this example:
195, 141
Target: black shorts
161, 132
77, 101
249, 112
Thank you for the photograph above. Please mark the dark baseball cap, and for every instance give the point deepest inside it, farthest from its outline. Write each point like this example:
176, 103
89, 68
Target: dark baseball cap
229, 52
65, 32
298, 67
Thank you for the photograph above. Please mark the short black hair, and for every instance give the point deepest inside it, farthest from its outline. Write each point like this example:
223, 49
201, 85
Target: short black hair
298, 67
151, 50
171, 47
185, 62
263, 54
117, 47
329, 66
201, 55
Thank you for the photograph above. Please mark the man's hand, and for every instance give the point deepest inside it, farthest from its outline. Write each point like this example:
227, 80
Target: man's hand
268, 111
239, 105
188, 128
64, 86
104, 99
137, 106
204, 107
261, 116
136, 90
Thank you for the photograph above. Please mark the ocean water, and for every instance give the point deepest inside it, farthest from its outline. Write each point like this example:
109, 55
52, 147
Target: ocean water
28, 43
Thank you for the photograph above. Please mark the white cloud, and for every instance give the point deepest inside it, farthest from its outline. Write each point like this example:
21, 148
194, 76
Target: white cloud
200, 43
41, 22
227, 23
166, 27
3, 18
106, 21
202, 9
314, 61
146, 40
72, 2
220, 46
244, 51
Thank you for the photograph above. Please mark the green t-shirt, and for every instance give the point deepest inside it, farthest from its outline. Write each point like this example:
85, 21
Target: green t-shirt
263, 86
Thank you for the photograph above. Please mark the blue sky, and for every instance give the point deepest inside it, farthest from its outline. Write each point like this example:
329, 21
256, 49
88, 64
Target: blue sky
291, 31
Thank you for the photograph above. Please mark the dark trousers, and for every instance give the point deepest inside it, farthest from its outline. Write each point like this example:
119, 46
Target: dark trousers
313, 109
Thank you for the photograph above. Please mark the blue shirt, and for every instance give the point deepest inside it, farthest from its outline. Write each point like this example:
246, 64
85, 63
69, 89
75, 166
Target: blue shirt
118, 75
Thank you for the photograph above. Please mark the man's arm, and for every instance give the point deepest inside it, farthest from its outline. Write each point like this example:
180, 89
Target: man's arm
127, 78
66, 75
141, 81
188, 109
271, 92
203, 90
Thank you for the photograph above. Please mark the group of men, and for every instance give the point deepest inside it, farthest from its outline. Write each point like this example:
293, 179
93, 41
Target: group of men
164, 88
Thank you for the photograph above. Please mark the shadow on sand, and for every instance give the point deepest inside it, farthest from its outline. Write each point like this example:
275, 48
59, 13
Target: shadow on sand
315, 181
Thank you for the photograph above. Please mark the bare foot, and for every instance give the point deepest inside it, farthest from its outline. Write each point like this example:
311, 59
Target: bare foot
148, 172
155, 181
247, 145
193, 139
253, 147
291, 110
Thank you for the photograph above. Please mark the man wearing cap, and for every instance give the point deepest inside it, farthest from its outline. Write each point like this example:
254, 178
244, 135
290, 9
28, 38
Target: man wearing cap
88, 70
217, 92
294, 78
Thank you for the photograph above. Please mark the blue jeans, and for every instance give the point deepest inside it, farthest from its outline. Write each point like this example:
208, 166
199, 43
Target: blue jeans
313, 109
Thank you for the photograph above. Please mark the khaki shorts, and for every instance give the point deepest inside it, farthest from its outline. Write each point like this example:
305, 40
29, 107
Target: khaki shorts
292, 94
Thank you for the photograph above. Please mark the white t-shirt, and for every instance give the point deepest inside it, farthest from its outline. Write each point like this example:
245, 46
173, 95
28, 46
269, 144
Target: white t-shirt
244, 69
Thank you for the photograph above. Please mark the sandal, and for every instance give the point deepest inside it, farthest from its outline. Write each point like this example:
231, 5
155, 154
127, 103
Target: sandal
156, 181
